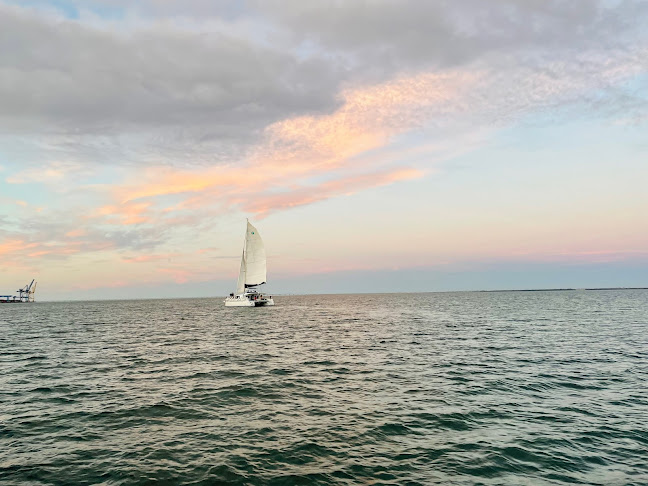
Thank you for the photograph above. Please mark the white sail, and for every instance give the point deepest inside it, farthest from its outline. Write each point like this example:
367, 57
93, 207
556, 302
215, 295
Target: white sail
255, 258
240, 285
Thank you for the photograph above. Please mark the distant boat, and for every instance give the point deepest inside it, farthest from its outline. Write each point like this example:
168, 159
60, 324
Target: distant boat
25, 294
252, 273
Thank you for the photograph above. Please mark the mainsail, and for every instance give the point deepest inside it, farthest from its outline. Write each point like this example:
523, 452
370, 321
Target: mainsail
253, 261
255, 258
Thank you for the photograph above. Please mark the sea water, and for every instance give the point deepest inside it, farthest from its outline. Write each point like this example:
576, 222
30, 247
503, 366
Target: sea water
441, 388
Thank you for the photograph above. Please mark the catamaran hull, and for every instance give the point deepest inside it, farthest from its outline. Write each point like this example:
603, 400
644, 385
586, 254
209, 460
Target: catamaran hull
238, 303
234, 302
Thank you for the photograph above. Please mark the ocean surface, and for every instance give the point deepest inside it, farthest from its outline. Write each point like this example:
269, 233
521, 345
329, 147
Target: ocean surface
442, 388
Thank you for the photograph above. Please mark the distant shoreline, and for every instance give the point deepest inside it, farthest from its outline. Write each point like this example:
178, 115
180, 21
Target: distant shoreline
564, 290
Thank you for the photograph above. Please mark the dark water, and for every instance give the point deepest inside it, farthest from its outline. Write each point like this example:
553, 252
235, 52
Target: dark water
461, 388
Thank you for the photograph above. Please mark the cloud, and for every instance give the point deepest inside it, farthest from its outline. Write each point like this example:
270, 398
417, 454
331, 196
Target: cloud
171, 91
308, 195
22, 250
76, 233
51, 173
299, 149
127, 213
61, 76
280, 170
386, 36
12, 246
309, 158
204, 83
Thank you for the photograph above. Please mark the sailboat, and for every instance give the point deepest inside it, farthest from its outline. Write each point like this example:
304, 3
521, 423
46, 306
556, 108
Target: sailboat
252, 273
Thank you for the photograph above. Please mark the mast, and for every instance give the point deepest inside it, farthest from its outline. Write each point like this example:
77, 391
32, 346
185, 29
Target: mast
240, 284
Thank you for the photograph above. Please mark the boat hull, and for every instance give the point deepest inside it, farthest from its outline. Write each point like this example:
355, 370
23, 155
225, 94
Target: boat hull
246, 302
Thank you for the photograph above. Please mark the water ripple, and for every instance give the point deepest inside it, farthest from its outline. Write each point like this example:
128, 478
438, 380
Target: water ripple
461, 388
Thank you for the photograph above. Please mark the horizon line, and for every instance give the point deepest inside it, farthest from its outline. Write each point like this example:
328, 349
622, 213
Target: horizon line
567, 289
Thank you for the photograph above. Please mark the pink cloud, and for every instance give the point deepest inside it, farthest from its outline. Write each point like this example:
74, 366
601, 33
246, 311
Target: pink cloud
75, 233
298, 149
308, 195
346, 148
280, 170
21, 250
14, 246
125, 213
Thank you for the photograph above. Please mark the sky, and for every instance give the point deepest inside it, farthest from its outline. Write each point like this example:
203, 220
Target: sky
378, 146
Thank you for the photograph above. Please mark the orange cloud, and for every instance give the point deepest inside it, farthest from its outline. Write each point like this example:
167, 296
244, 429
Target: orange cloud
75, 233
20, 249
55, 249
367, 119
14, 246
126, 213
309, 195
279, 172
166, 181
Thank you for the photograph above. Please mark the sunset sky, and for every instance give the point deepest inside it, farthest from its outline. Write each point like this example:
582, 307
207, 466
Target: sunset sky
376, 145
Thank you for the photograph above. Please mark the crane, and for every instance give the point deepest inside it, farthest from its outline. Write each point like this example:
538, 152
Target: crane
27, 293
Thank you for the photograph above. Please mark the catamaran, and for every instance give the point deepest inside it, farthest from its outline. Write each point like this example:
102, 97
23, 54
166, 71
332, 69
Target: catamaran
252, 273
